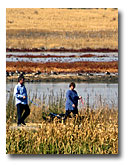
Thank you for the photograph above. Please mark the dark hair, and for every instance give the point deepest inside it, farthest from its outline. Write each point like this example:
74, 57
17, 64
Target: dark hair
72, 84
20, 77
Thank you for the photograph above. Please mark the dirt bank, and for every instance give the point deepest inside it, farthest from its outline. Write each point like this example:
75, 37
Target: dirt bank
67, 78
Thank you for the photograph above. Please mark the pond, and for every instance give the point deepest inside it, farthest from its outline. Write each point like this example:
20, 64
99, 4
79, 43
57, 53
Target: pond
60, 57
98, 94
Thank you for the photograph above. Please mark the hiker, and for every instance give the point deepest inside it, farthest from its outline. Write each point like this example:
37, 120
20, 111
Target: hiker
20, 94
71, 100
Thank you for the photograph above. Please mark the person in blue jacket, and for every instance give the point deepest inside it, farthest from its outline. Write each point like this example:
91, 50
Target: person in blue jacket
71, 101
20, 93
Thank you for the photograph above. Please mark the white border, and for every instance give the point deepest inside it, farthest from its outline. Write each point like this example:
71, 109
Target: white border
121, 159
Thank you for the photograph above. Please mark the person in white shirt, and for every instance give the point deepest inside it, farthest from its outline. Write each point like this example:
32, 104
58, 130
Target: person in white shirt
20, 94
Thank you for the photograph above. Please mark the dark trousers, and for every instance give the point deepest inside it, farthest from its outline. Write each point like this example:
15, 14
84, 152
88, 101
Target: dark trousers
20, 108
67, 114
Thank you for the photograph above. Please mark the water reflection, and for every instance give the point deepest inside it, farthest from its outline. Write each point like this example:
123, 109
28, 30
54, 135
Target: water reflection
100, 94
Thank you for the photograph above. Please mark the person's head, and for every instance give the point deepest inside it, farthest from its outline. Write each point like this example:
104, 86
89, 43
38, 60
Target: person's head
72, 85
21, 79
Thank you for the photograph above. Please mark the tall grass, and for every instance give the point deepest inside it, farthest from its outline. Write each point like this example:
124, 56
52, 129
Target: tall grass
91, 132
39, 106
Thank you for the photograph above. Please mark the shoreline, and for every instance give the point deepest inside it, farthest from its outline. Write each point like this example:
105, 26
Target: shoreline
61, 49
67, 78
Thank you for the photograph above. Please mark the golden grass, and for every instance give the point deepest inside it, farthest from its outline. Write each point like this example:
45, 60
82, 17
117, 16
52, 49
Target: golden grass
94, 132
68, 28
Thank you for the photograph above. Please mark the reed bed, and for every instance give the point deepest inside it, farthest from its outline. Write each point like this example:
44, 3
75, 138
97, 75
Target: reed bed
91, 132
73, 67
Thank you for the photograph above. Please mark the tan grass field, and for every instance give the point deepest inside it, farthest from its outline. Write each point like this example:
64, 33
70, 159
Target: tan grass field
56, 28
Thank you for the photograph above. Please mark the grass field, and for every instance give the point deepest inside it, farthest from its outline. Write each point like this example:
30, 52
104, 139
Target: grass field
56, 28
91, 132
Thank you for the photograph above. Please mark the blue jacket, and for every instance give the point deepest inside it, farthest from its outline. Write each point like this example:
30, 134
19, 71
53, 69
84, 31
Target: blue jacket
71, 98
19, 92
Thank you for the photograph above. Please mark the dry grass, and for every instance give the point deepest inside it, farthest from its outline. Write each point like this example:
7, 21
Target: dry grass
68, 28
94, 132
91, 132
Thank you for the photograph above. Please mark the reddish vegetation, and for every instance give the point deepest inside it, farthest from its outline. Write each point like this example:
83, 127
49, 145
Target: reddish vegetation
63, 67
49, 56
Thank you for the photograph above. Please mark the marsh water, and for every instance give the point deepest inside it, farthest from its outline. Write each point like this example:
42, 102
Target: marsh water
97, 56
97, 94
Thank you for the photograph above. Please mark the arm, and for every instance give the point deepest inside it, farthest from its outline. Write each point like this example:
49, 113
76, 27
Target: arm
16, 93
25, 93
78, 97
